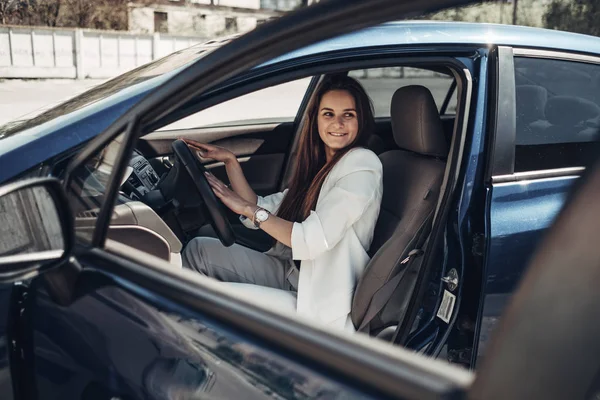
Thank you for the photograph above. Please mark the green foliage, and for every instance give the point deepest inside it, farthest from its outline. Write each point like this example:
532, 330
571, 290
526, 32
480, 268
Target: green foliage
581, 16
94, 14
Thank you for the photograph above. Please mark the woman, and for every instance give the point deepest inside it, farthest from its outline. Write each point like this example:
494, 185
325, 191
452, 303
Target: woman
323, 222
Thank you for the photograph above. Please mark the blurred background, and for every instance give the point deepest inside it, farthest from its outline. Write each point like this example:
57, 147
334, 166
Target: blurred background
52, 50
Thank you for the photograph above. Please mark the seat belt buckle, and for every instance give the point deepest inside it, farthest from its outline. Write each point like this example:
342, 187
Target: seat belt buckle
412, 254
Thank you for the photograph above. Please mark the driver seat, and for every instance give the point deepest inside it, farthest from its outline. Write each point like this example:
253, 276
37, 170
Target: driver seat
412, 179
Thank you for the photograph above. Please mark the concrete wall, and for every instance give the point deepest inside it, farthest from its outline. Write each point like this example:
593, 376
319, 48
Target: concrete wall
75, 53
199, 20
141, 20
251, 4
283, 5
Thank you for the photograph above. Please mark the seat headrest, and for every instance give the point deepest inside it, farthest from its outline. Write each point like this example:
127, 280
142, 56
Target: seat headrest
570, 111
416, 123
532, 102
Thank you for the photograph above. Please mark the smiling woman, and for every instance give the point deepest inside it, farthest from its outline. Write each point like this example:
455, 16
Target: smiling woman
337, 121
324, 221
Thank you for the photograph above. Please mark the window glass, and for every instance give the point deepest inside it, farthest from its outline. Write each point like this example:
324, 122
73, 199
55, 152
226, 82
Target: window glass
88, 186
558, 113
276, 103
168, 65
161, 22
381, 83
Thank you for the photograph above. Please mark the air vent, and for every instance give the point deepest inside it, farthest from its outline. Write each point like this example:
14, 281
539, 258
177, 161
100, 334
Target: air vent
88, 214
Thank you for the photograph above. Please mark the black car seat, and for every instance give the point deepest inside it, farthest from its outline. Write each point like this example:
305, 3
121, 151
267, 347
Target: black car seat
570, 119
376, 144
568, 115
412, 178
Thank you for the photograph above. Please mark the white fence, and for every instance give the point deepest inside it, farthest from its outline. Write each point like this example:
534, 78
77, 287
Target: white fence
27, 52
37, 52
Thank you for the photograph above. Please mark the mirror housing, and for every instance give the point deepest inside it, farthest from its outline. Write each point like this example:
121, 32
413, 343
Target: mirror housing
36, 228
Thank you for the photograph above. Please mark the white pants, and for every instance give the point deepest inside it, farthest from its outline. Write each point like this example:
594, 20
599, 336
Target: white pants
254, 276
236, 264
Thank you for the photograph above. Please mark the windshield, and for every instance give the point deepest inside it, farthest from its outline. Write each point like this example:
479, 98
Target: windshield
161, 66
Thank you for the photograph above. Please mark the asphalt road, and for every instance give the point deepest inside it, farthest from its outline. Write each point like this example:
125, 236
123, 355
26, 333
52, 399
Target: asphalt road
25, 98
19, 98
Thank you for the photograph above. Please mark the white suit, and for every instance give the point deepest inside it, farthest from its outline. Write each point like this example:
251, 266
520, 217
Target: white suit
332, 243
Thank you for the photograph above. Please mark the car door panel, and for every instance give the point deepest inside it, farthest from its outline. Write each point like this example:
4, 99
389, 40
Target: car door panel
275, 134
123, 341
519, 213
261, 149
6, 294
261, 171
519, 207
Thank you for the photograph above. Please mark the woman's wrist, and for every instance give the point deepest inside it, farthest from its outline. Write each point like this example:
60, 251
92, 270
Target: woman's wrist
249, 210
231, 160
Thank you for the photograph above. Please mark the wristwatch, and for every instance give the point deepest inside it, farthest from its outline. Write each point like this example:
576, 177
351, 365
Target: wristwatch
260, 216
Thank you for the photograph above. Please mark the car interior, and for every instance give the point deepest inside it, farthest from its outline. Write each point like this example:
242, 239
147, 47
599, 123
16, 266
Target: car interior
164, 200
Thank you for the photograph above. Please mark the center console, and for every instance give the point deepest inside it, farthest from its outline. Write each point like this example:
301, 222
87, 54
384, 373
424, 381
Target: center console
143, 177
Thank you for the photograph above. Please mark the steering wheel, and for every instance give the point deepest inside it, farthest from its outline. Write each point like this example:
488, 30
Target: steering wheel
218, 218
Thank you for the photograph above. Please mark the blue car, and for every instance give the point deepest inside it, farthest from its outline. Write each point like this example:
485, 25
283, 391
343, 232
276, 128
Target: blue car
481, 129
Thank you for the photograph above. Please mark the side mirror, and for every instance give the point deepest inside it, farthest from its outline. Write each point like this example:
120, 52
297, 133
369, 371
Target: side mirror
36, 228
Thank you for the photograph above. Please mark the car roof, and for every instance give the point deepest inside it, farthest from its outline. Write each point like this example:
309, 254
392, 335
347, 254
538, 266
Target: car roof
66, 131
457, 33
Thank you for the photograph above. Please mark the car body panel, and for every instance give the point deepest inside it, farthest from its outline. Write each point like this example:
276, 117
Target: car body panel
420, 33
6, 292
519, 212
112, 342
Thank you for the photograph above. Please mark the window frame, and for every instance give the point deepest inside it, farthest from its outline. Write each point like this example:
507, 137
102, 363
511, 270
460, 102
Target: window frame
448, 99
503, 154
248, 82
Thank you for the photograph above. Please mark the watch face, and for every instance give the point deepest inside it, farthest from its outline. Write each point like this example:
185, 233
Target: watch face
262, 215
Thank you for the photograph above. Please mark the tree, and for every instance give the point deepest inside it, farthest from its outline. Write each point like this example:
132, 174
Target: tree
580, 16
7, 8
30, 12
48, 12
95, 14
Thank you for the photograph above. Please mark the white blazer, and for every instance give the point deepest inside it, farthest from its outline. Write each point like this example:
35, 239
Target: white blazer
332, 242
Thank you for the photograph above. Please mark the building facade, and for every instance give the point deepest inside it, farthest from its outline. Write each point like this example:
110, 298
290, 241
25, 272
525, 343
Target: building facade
281, 5
202, 18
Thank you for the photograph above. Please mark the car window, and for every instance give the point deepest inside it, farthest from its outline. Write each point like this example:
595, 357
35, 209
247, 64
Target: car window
87, 188
277, 103
381, 83
558, 113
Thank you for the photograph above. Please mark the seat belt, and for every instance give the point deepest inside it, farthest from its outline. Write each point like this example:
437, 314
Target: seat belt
385, 292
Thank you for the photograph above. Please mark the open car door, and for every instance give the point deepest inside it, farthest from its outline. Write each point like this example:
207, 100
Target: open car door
103, 321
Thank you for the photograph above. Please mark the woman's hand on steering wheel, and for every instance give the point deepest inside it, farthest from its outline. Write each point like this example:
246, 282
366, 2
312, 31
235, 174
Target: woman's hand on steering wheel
211, 151
231, 199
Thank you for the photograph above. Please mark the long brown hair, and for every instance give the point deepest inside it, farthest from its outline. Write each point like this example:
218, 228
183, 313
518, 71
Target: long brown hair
311, 167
